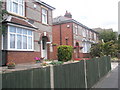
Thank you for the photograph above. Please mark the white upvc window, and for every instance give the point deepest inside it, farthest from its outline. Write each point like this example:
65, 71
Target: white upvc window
76, 29
90, 34
84, 47
44, 16
84, 32
20, 39
16, 7
94, 36
87, 33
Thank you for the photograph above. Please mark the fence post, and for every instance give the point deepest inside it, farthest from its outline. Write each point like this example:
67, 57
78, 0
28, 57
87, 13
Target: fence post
51, 77
85, 74
98, 66
31, 79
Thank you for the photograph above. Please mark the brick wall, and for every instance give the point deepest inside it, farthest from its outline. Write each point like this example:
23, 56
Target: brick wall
60, 39
22, 57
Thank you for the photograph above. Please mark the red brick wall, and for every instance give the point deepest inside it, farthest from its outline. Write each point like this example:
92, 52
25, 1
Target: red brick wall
22, 57
56, 34
85, 55
65, 32
56, 39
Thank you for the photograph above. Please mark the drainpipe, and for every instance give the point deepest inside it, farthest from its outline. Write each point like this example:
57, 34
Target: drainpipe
60, 35
72, 36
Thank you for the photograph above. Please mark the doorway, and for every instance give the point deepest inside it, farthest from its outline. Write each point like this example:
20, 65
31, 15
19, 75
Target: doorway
44, 47
77, 50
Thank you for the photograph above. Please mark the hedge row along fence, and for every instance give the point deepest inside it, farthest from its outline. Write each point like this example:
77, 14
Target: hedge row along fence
83, 74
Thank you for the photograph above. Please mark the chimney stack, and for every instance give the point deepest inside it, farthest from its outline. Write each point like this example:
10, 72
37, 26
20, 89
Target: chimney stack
68, 14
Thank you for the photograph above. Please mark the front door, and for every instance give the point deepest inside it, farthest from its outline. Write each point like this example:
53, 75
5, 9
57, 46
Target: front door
44, 47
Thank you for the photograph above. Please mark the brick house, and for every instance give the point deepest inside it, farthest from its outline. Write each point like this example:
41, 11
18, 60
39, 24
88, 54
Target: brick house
67, 31
27, 30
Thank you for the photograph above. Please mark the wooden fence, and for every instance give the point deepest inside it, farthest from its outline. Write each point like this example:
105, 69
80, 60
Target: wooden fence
83, 74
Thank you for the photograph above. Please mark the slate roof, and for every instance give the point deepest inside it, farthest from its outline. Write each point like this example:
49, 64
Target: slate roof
61, 20
18, 21
45, 4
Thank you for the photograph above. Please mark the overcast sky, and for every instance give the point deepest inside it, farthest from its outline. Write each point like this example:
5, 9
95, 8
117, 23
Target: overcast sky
92, 13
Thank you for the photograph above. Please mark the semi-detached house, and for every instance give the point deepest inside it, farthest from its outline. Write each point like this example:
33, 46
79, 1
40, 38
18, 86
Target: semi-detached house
27, 30
67, 31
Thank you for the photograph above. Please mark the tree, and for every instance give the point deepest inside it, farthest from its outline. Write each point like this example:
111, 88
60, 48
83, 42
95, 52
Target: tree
104, 48
96, 50
108, 36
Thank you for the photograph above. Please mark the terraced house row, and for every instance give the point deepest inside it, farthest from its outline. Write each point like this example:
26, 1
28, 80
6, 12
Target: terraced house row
30, 31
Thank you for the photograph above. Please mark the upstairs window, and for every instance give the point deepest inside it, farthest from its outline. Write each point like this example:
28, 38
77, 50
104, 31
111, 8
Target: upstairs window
94, 36
84, 33
44, 16
16, 6
76, 30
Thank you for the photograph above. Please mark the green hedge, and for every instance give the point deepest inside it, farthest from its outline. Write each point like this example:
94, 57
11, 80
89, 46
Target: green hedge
64, 52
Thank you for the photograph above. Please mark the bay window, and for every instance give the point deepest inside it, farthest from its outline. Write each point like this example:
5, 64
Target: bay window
16, 6
19, 38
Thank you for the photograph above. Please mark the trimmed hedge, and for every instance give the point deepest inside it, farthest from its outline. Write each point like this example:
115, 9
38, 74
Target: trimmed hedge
64, 53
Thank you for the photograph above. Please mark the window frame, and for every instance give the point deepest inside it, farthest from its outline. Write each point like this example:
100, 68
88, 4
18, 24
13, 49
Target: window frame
9, 7
95, 36
76, 30
45, 14
16, 49
84, 32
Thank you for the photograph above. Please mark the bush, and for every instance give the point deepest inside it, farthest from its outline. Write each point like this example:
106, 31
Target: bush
64, 53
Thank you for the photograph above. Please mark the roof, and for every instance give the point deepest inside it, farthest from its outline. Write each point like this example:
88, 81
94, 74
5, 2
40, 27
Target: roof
45, 4
62, 20
18, 21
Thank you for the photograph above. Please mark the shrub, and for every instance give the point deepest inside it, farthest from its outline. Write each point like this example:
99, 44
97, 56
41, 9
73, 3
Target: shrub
64, 53
56, 63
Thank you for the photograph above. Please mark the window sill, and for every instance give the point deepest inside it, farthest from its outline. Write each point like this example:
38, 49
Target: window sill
20, 50
45, 24
14, 14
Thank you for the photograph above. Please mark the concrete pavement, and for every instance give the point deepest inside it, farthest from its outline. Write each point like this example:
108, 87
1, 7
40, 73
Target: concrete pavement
111, 80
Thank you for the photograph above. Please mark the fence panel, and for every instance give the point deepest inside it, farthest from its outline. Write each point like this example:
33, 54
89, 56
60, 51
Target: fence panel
41, 77
102, 66
33, 78
17, 79
69, 75
92, 72
108, 59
